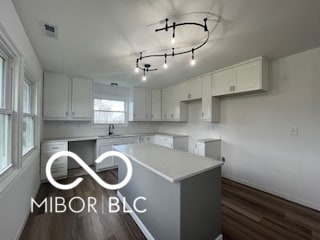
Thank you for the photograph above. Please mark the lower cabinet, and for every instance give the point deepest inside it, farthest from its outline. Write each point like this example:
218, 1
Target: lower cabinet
59, 169
208, 148
174, 142
105, 145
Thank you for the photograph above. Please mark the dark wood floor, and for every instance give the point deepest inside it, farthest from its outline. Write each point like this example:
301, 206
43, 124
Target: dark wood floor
247, 214
83, 226
252, 214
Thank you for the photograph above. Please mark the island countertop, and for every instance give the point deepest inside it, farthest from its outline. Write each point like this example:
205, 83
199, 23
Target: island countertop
171, 164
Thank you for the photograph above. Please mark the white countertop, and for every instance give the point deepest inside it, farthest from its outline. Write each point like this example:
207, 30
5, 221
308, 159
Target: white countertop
208, 140
171, 164
88, 138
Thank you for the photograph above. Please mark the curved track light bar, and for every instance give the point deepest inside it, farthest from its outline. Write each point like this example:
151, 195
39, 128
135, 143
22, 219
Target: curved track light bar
173, 53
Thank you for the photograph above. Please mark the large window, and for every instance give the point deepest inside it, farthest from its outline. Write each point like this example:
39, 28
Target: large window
5, 113
109, 111
28, 117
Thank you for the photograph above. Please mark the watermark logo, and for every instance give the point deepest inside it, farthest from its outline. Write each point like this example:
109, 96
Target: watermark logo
76, 182
59, 204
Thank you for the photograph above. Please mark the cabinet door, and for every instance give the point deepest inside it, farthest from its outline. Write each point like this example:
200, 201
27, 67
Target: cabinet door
206, 98
148, 104
108, 162
184, 91
164, 100
156, 104
173, 103
223, 82
81, 100
248, 77
55, 96
139, 104
194, 89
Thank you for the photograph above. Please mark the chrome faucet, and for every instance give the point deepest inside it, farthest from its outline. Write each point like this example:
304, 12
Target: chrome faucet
111, 128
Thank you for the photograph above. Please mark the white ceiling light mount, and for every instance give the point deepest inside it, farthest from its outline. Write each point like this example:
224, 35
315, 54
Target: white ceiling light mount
147, 67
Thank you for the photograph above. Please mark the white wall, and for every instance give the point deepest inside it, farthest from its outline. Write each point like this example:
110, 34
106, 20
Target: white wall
255, 129
15, 198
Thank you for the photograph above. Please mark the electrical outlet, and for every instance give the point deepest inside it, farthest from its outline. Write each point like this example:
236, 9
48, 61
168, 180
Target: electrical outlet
294, 131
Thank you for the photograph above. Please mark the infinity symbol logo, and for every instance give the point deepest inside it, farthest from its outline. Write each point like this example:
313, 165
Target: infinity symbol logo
76, 182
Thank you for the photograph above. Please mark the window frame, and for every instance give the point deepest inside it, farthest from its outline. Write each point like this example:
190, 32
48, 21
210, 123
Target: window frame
7, 109
32, 113
125, 100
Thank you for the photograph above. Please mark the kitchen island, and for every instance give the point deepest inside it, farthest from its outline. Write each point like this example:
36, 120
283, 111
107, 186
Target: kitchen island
182, 191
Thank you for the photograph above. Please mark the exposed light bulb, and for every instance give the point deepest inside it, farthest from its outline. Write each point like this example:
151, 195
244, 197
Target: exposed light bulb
144, 78
165, 65
136, 69
173, 40
192, 62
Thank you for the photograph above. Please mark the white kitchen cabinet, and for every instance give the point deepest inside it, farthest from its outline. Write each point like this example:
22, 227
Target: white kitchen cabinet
66, 98
156, 104
174, 142
208, 148
55, 96
249, 76
190, 90
142, 139
210, 105
59, 168
81, 98
140, 104
105, 145
172, 107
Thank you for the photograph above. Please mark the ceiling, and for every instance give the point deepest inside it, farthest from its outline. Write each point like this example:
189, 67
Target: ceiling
101, 39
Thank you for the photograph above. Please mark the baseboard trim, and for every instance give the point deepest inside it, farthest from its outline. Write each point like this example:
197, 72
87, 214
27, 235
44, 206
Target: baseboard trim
142, 227
276, 193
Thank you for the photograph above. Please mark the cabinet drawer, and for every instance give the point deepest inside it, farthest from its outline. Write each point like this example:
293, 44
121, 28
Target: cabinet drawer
57, 162
165, 139
51, 148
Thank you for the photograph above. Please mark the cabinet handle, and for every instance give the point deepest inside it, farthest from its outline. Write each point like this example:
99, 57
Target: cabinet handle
230, 88
189, 95
202, 114
67, 113
72, 113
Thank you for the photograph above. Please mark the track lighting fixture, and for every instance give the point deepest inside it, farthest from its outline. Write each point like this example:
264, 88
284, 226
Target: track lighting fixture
165, 65
147, 67
144, 78
192, 62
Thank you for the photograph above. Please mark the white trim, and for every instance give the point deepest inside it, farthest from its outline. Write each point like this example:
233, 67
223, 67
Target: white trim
25, 217
142, 227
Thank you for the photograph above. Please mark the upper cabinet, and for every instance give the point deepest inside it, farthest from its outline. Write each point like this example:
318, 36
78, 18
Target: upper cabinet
172, 107
210, 105
81, 98
190, 90
249, 76
66, 98
156, 104
140, 104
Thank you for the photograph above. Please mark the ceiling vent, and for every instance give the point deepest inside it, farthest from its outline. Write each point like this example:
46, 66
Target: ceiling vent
50, 30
